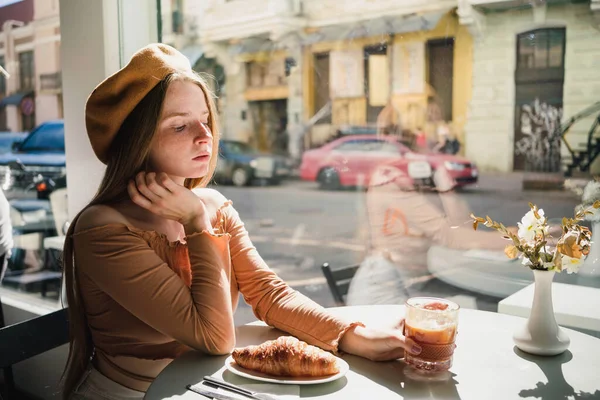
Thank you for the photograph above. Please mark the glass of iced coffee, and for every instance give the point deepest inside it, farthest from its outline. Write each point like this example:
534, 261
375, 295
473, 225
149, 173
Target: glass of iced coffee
432, 323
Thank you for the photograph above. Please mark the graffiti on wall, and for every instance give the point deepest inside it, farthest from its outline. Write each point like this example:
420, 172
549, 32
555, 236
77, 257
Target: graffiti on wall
540, 142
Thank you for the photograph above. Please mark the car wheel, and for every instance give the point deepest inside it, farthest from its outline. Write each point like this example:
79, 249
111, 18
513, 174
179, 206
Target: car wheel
240, 177
329, 179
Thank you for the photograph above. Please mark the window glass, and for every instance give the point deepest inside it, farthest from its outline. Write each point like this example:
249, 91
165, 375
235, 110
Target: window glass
32, 147
556, 47
48, 137
541, 48
492, 93
27, 70
485, 101
229, 146
2, 77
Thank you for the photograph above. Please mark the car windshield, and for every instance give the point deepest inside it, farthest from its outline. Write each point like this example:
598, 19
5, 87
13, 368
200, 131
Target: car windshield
7, 140
49, 137
236, 148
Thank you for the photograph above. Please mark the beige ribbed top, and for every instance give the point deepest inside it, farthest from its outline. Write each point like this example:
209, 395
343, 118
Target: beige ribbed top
147, 299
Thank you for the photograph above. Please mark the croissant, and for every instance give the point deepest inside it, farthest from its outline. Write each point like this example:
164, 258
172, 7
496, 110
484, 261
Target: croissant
286, 356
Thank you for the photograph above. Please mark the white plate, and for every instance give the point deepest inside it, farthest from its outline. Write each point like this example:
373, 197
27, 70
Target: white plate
232, 366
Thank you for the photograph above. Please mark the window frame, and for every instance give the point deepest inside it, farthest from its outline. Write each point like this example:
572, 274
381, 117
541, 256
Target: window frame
547, 73
26, 70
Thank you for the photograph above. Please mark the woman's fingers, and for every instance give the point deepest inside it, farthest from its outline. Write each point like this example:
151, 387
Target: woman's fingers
411, 346
137, 197
140, 182
165, 181
400, 325
399, 340
154, 186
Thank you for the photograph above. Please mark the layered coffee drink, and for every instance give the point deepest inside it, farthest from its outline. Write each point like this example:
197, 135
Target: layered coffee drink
432, 323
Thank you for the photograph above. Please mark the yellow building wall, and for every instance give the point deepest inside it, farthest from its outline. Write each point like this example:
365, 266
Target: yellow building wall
411, 106
266, 92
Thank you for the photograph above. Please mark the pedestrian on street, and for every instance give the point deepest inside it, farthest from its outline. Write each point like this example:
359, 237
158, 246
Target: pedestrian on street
154, 264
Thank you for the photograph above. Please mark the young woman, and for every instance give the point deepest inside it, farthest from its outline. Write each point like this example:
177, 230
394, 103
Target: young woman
154, 264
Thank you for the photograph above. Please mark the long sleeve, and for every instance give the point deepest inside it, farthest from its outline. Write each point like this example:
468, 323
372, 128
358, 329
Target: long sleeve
123, 265
272, 300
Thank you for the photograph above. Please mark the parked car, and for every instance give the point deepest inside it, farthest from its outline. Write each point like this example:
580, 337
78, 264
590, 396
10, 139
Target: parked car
240, 164
8, 140
40, 156
351, 160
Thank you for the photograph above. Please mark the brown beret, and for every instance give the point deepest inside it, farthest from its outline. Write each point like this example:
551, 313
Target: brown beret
114, 99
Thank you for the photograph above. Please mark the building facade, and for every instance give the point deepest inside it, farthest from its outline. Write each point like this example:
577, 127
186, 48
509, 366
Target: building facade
533, 67
299, 71
30, 55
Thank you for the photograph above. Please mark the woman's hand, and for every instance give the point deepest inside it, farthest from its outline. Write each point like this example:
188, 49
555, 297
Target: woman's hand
378, 344
159, 194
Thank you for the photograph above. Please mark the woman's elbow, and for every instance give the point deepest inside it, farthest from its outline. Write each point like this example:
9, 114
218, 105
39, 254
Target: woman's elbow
221, 346
220, 342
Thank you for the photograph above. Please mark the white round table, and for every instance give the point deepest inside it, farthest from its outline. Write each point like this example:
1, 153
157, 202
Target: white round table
486, 365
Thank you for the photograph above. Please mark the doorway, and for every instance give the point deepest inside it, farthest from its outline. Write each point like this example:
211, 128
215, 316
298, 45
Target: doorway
269, 121
440, 55
539, 79
373, 111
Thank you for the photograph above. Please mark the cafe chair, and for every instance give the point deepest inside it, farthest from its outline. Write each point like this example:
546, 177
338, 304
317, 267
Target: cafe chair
339, 280
29, 242
23, 340
53, 245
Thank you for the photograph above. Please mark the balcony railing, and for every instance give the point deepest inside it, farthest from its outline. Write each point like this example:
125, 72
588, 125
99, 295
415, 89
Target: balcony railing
51, 82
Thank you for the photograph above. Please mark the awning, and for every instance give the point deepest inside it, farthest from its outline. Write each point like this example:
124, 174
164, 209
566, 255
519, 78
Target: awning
382, 26
15, 99
193, 53
378, 27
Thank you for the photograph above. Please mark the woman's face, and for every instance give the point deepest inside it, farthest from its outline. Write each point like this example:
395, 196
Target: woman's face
182, 146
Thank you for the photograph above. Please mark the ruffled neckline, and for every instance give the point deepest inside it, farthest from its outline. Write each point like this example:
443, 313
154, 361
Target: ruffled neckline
218, 229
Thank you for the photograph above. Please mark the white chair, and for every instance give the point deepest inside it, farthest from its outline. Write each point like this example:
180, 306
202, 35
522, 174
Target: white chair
60, 212
25, 241
30, 243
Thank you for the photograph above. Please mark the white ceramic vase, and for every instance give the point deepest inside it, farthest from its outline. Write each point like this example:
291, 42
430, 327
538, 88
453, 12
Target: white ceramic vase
540, 334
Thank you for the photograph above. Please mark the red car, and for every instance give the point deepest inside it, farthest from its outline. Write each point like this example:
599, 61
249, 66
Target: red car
351, 160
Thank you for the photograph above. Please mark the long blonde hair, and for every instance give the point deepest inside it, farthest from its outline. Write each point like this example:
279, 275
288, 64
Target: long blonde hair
128, 155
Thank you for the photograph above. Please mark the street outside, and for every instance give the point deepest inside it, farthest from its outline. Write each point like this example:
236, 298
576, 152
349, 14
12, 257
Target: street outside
296, 228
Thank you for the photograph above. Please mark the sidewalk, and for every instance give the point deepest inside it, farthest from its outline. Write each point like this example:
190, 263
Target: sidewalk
517, 181
529, 181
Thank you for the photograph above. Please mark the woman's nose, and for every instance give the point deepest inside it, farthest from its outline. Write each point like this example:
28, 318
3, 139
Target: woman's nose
204, 133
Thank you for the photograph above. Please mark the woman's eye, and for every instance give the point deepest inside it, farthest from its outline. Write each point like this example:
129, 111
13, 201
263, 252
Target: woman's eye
180, 128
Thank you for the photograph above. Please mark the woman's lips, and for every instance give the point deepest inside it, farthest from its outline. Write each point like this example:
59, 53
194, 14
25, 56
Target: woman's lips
202, 157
